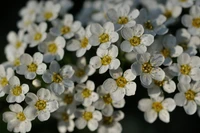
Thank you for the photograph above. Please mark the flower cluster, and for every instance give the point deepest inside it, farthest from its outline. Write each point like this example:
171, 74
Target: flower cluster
82, 68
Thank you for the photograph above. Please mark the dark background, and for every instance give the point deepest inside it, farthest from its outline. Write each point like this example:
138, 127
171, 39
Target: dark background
134, 121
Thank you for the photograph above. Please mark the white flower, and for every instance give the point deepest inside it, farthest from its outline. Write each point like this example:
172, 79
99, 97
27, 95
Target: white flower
30, 66
110, 124
122, 15
152, 24
103, 36
49, 11
170, 11
65, 6
88, 117
155, 107
58, 77
31, 9
187, 42
85, 93
105, 59
82, 70
192, 21
147, 66
186, 68
81, 44
135, 40
66, 120
183, 3
25, 22
18, 120
188, 97
16, 92
16, 41
5, 75
120, 84
36, 34
106, 103
167, 46
41, 104
67, 27
53, 48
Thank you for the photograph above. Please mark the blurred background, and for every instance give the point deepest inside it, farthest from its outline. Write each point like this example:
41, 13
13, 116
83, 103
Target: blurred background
134, 120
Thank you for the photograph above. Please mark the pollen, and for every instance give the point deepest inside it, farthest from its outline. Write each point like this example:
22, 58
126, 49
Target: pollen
165, 52
16, 62
168, 14
57, 78
37, 36
106, 60
84, 42
86, 93
122, 20
107, 120
190, 95
159, 83
65, 117
52, 48
65, 29
135, 41
80, 73
148, 25
103, 38
146, 67
87, 116
196, 22
183, 0
121, 82
32, 67
185, 69
48, 15
157, 106
4, 81
21, 116
107, 99
41, 105
68, 99
17, 90
18, 44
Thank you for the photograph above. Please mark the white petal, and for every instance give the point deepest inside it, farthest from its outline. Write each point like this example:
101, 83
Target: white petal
128, 75
108, 110
154, 92
43, 116
96, 29
103, 69
80, 123
26, 59
145, 104
169, 104
16, 108
118, 94
95, 62
97, 115
8, 116
54, 67
126, 46
150, 116
164, 116
147, 39
127, 33
110, 85
157, 60
31, 98
190, 108
115, 63
136, 68
130, 88
93, 125
158, 74
38, 58
180, 99
116, 73
146, 79
184, 59
47, 77
44, 94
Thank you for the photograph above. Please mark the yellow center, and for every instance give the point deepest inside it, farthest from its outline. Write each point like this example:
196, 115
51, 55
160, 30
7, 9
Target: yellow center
122, 20
65, 117
148, 25
196, 22
37, 36
103, 38
16, 62
17, 90
68, 99
65, 29
52, 48
185, 69
80, 73
159, 83
168, 14
48, 15
41, 105
84, 42
32, 67
157, 106
18, 44
4, 81
135, 41
107, 120
106, 60
190, 95
57, 78
87, 116
184, 46
165, 52
21, 116
86, 93
121, 82
146, 67
107, 99
183, 0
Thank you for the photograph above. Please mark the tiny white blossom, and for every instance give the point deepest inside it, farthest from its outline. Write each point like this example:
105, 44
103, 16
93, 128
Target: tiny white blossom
26, 22
105, 59
31, 9
183, 3
41, 104
147, 66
